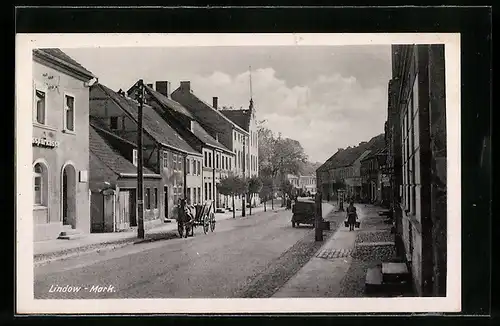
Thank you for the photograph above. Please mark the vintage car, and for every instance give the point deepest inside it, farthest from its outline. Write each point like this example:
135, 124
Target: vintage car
304, 212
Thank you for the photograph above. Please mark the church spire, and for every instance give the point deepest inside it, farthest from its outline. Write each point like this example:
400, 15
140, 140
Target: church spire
251, 95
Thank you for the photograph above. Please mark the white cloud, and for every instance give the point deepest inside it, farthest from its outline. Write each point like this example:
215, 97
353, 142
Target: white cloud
333, 111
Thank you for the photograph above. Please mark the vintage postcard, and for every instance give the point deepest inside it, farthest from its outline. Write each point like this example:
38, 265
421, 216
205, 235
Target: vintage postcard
238, 173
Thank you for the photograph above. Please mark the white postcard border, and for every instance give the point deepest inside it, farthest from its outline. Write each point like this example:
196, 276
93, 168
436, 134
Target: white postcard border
26, 304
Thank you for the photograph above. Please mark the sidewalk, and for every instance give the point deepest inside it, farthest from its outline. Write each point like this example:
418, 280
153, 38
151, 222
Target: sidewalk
339, 267
46, 251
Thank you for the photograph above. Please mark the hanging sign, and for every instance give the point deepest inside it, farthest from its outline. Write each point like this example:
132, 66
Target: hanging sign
43, 142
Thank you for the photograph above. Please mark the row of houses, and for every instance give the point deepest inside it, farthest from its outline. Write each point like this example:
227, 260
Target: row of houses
417, 160
85, 149
355, 171
406, 166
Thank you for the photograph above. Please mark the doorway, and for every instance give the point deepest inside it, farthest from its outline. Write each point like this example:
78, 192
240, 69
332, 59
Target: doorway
68, 196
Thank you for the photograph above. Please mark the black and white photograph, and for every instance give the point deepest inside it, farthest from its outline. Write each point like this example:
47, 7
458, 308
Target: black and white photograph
221, 168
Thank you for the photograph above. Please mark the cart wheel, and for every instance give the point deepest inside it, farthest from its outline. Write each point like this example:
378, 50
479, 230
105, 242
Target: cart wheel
180, 228
205, 224
212, 223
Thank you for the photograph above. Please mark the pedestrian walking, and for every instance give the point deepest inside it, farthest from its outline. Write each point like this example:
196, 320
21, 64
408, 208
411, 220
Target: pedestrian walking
352, 215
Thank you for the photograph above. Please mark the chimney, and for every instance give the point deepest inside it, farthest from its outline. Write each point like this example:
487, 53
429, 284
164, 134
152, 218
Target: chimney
185, 86
163, 87
215, 102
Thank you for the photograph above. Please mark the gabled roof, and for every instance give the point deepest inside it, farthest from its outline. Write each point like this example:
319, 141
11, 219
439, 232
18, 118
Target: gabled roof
153, 123
110, 157
348, 156
198, 130
59, 57
201, 106
240, 117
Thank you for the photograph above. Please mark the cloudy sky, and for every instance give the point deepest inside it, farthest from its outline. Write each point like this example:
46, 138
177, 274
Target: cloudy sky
326, 97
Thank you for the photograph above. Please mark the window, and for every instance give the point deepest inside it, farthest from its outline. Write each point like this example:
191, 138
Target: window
134, 157
39, 184
206, 190
69, 112
195, 172
155, 194
180, 161
188, 195
199, 195
210, 160
199, 167
205, 162
209, 191
188, 166
148, 198
40, 106
217, 160
113, 123
165, 159
174, 161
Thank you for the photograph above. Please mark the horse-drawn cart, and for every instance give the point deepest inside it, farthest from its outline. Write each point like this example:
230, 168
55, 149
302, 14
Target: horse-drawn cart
188, 220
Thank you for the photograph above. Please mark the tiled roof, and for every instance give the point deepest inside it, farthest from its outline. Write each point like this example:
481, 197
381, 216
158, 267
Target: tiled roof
198, 130
240, 117
205, 137
153, 123
171, 104
109, 156
348, 156
201, 106
60, 56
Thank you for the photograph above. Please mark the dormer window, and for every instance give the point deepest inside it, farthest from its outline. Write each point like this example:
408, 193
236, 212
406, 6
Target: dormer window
113, 123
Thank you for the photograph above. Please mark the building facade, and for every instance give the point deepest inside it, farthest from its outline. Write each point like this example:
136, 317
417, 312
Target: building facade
60, 144
218, 126
416, 129
113, 184
202, 174
165, 152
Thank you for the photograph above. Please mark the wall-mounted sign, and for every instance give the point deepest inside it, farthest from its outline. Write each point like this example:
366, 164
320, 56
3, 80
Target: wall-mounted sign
43, 142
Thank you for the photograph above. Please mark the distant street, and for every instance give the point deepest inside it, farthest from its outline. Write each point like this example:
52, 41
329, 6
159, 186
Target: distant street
245, 257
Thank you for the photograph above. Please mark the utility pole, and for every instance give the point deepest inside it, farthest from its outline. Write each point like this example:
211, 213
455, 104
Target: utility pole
318, 225
140, 198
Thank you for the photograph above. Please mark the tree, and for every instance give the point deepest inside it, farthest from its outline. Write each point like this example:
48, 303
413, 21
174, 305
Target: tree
254, 187
266, 191
231, 186
278, 156
241, 189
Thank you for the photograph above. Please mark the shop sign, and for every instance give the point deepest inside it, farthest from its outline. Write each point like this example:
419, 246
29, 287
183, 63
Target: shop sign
43, 142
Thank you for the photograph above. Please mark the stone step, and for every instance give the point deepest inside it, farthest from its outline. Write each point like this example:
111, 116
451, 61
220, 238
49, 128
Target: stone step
70, 234
375, 285
395, 272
